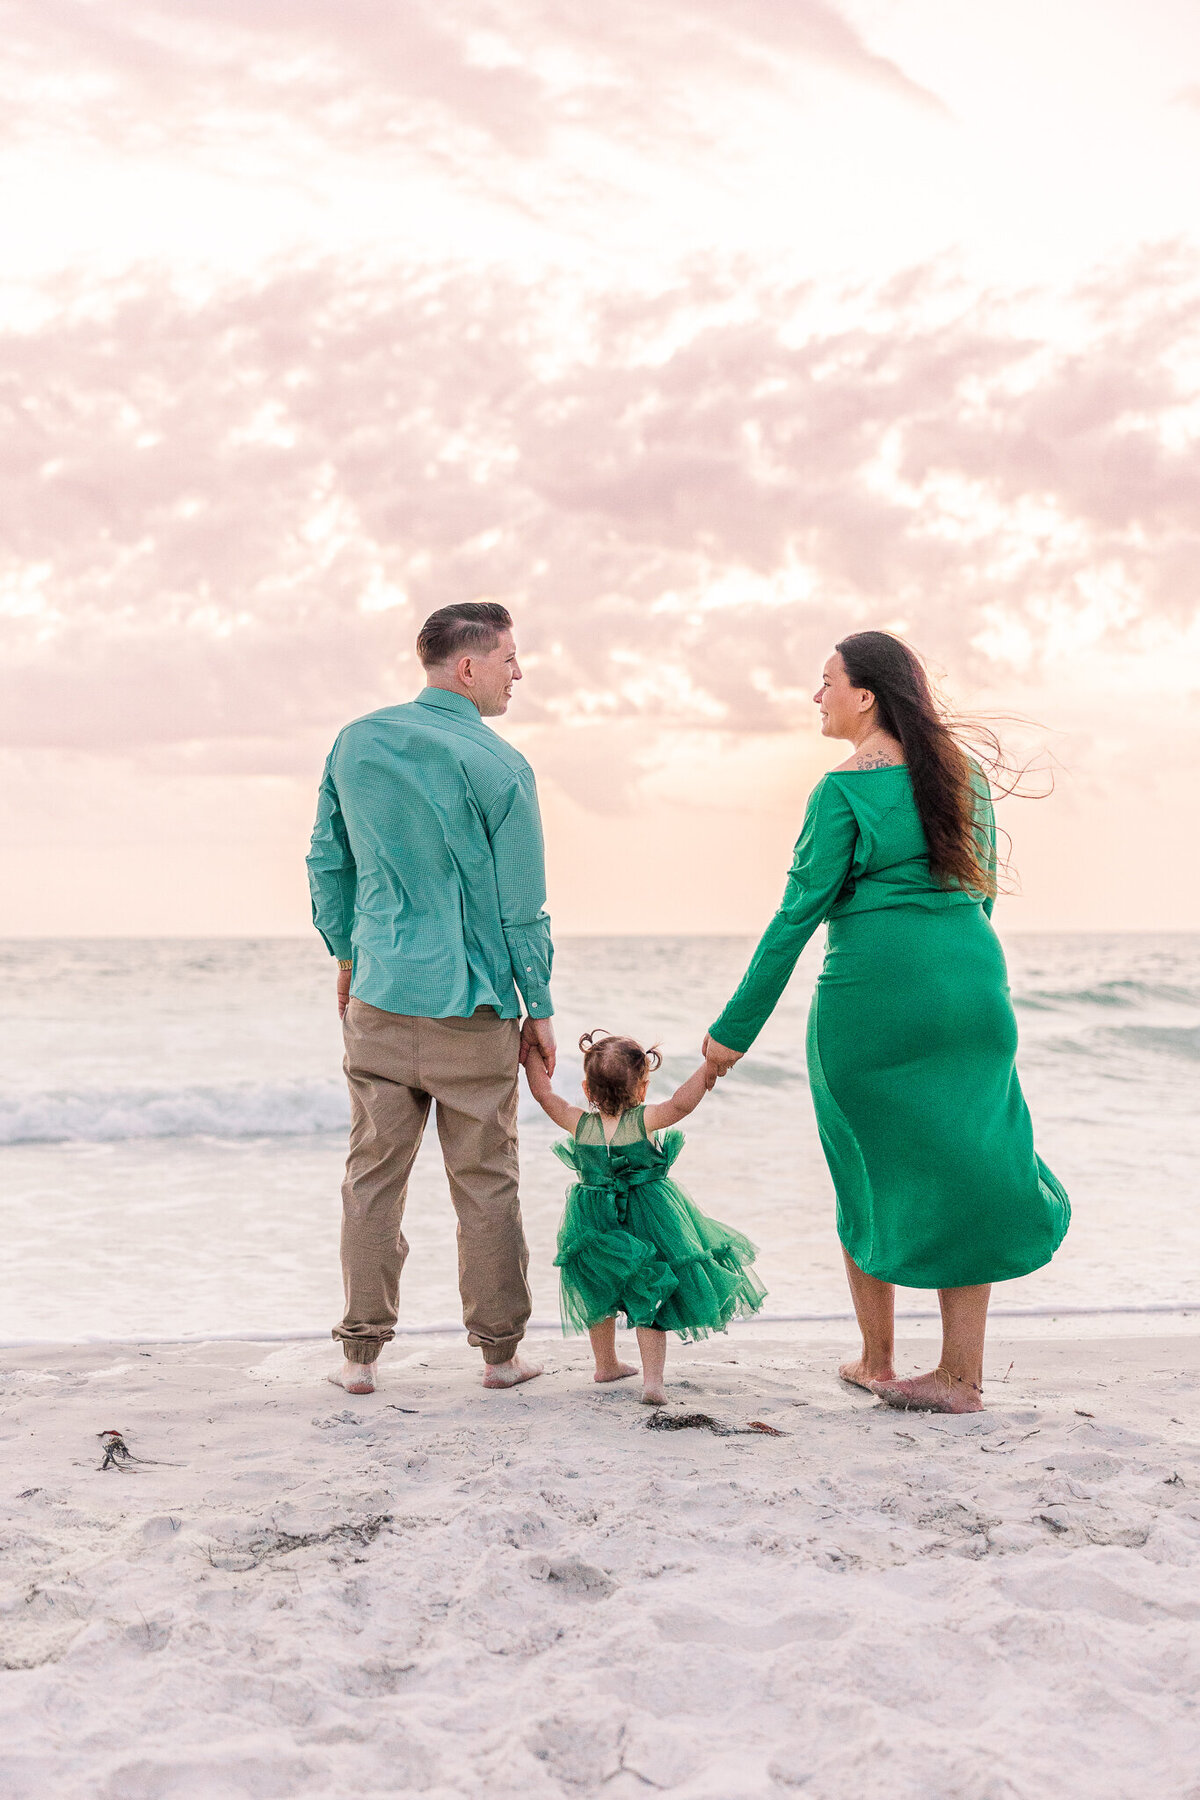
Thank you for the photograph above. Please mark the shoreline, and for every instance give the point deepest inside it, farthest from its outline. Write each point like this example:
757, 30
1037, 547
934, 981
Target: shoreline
1118, 1320
444, 1591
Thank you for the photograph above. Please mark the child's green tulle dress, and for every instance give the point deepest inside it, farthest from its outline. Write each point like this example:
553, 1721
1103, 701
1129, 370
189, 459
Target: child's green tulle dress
632, 1243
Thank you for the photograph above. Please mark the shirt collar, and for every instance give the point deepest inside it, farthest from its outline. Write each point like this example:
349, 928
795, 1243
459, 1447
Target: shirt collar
446, 701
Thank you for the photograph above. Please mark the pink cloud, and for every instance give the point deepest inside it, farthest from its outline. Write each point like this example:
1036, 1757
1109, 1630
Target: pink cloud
208, 496
363, 72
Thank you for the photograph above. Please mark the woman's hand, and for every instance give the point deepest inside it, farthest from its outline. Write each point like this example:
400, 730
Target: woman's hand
718, 1059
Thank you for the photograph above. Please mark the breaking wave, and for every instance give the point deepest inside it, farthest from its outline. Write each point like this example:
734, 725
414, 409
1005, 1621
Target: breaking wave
1108, 994
233, 1110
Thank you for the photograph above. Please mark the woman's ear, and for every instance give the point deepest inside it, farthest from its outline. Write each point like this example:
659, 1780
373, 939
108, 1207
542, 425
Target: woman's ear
866, 700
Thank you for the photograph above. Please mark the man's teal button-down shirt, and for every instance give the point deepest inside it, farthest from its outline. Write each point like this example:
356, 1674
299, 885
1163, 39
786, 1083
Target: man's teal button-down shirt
426, 863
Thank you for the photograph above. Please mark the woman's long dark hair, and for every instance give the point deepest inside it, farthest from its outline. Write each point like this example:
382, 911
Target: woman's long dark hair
946, 783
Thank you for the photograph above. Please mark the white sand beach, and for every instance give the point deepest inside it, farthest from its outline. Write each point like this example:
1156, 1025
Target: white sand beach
448, 1592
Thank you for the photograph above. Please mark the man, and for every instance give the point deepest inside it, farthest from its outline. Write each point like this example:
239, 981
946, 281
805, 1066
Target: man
428, 885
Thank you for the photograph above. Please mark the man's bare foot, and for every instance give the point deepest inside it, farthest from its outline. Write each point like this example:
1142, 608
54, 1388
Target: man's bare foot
509, 1374
356, 1378
653, 1396
939, 1391
615, 1371
860, 1374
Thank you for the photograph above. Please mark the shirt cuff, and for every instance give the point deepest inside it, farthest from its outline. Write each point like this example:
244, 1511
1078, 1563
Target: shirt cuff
531, 956
339, 947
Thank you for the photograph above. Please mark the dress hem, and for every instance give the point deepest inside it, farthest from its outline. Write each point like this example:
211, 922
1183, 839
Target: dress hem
907, 1280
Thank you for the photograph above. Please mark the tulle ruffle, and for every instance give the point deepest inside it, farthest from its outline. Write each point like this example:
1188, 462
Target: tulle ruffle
663, 1264
606, 1274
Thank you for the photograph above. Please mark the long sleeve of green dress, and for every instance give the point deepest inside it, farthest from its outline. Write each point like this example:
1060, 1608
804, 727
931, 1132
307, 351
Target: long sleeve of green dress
822, 862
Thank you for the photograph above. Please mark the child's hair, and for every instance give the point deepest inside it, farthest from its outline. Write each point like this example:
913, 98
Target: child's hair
614, 1069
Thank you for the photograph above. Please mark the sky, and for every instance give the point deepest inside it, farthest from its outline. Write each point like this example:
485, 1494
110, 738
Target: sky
698, 332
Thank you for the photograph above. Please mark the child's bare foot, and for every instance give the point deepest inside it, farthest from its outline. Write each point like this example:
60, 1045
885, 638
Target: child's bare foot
616, 1371
652, 1345
939, 1391
356, 1378
861, 1374
509, 1374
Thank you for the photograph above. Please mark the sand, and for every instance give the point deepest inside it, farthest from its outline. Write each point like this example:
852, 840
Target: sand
453, 1593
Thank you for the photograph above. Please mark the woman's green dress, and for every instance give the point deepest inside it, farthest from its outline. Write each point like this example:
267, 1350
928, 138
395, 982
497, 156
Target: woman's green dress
632, 1243
911, 1046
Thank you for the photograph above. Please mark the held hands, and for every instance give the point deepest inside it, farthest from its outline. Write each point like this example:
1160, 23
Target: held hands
538, 1035
718, 1060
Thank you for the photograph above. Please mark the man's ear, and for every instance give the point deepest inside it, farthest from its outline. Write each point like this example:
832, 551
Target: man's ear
464, 671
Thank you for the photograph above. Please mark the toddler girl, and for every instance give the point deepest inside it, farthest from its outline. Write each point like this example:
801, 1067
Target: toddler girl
631, 1241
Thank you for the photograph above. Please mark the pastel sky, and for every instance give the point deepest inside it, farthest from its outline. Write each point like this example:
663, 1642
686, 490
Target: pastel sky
699, 332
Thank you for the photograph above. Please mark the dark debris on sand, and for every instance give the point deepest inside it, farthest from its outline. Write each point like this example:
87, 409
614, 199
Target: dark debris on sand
698, 1421
118, 1455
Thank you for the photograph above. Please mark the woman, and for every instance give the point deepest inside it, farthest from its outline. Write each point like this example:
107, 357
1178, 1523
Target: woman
911, 1035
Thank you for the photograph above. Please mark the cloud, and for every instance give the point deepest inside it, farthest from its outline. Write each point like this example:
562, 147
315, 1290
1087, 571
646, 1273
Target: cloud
377, 73
800, 28
221, 520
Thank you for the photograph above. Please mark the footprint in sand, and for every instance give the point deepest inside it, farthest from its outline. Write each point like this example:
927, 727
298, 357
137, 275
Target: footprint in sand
572, 1579
690, 1626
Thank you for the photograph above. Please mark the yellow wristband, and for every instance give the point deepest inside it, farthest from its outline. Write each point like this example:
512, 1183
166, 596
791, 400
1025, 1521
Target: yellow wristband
345, 962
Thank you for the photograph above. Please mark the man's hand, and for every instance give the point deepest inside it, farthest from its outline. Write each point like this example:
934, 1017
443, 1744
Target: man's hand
718, 1059
343, 991
539, 1032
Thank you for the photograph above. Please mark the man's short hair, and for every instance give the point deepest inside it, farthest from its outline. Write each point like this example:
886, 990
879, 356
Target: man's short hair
454, 631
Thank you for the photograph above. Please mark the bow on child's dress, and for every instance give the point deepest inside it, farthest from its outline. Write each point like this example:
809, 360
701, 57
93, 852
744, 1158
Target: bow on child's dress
620, 1183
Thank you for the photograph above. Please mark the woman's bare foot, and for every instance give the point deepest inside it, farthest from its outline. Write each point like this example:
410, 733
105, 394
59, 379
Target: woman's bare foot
616, 1371
939, 1391
509, 1374
652, 1395
356, 1378
861, 1374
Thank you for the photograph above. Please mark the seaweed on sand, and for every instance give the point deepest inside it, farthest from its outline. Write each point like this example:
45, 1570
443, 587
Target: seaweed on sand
699, 1421
118, 1455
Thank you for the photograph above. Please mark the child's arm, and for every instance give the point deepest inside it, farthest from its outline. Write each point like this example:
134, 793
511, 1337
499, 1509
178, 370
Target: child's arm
684, 1100
539, 1086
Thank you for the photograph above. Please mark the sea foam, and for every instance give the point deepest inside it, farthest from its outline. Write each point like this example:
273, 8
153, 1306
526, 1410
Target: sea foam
220, 1110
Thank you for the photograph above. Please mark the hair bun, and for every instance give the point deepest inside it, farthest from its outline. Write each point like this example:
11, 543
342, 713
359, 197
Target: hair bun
615, 1070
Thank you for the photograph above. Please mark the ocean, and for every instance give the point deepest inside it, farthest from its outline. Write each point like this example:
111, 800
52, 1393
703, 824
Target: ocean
172, 1120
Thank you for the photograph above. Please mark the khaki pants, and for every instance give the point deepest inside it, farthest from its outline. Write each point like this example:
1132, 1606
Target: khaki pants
397, 1065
